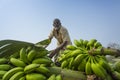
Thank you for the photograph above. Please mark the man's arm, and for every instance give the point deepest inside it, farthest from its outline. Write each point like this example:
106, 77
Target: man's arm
57, 49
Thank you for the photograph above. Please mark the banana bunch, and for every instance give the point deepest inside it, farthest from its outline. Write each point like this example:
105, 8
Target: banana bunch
30, 65
116, 72
4, 66
80, 57
79, 52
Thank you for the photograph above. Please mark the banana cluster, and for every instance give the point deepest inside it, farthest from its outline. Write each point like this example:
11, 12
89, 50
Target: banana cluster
4, 66
80, 57
31, 64
116, 67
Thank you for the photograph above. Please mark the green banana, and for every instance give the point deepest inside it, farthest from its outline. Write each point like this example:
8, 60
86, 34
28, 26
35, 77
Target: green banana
42, 61
97, 44
52, 77
88, 69
43, 70
70, 65
17, 75
64, 64
77, 43
5, 67
85, 43
82, 64
116, 66
105, 65
2, 72
3, 60
17, 62
75, 53
41, 53
11, 72
79, 59
31, 67
58, 77
31, 55
70, 47
90, 44
98, 69
22, 78
35, 76
23, 55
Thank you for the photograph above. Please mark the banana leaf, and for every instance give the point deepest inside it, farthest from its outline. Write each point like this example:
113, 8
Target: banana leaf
9, 47
43, 43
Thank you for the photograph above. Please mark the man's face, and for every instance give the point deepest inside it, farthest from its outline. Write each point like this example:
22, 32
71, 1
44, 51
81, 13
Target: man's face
56, 25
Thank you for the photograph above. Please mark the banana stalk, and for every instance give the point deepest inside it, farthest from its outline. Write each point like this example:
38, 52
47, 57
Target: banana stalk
105, 51
68, 74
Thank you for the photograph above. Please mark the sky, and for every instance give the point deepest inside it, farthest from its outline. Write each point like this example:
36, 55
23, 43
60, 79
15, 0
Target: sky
31, 20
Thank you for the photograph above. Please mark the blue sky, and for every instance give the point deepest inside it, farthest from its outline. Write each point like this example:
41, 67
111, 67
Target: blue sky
31, 20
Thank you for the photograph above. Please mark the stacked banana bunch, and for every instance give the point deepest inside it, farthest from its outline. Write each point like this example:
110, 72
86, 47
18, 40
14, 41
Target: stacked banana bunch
31, 64
4, 66
80, 57
116, 72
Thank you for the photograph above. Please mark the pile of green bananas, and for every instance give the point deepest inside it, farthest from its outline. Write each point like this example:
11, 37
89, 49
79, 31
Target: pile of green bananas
4, 66
80, 57
31, 64
116, 72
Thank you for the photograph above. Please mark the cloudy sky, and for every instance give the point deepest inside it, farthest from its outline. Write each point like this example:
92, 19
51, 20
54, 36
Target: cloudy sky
31, 20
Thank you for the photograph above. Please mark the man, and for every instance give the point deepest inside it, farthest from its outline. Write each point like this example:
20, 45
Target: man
62, 36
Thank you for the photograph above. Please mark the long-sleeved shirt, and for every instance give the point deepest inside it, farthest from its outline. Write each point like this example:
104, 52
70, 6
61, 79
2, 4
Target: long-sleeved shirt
61, 35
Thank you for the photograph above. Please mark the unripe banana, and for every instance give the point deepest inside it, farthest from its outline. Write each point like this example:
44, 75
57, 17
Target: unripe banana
5, 67
41, 53
97, 44
116, 66
88, 69
31, 55
81, 66
90, 44
3, 60
8, 74
58, 77
23, 55
31, 67
64, 64
52, 77
22, 78
17, 62
17, 75
71, 47
42, 61
77, 43
78, 59
98, 70
35, 76
2, 72
81, 42
75, 53
85, 43
43, 70
105, 65
70, 65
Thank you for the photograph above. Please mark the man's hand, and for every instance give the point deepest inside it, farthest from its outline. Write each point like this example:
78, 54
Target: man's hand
56, 51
